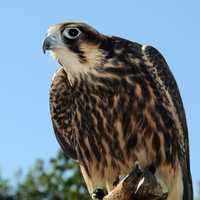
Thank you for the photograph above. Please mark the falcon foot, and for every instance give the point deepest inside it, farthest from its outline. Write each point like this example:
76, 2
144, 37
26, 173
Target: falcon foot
98, 194
140, 183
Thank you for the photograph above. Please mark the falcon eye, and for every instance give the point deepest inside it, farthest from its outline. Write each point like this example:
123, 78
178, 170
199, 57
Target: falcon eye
71, 33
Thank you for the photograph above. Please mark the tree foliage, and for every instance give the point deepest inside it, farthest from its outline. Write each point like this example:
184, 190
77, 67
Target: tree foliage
59, 179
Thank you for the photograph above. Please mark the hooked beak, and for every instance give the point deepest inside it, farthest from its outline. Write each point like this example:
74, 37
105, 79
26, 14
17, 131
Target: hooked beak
49, 43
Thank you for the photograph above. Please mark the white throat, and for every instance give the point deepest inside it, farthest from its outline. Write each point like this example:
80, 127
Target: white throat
71, 62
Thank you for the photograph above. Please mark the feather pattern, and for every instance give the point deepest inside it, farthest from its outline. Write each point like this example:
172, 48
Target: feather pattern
123, 107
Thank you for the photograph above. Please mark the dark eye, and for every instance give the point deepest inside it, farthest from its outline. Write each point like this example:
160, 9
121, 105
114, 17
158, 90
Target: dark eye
71, 33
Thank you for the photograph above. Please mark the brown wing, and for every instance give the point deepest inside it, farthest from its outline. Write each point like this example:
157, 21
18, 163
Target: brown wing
61, 112
157, 61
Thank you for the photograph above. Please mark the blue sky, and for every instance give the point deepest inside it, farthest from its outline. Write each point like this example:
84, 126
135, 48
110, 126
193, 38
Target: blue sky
25, 127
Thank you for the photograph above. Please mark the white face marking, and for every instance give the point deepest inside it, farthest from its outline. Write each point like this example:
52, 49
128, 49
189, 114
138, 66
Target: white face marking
69, 59
71, 63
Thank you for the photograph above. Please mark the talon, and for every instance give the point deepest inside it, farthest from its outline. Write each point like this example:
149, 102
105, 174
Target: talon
98, 194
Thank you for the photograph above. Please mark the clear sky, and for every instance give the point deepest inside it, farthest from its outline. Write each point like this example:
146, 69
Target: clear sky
25, 128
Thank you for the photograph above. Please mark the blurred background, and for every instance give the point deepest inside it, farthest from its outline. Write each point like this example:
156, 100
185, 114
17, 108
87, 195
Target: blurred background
26, 133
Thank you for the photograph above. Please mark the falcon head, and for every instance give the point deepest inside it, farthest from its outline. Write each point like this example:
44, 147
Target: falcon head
76, 46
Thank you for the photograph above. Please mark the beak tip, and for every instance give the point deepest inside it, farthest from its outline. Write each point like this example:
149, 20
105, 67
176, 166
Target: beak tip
48, 44
44, 47
44, 51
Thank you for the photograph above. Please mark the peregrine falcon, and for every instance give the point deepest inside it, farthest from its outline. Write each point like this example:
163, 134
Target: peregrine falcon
113, 103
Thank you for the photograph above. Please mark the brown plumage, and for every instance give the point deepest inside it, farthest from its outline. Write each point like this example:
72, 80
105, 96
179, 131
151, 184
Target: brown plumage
114, 102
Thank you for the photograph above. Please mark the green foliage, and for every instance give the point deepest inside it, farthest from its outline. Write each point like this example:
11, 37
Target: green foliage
59, 179
5, 190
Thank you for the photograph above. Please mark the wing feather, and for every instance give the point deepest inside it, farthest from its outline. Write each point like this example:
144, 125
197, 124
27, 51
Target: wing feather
158, 65
61, 112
